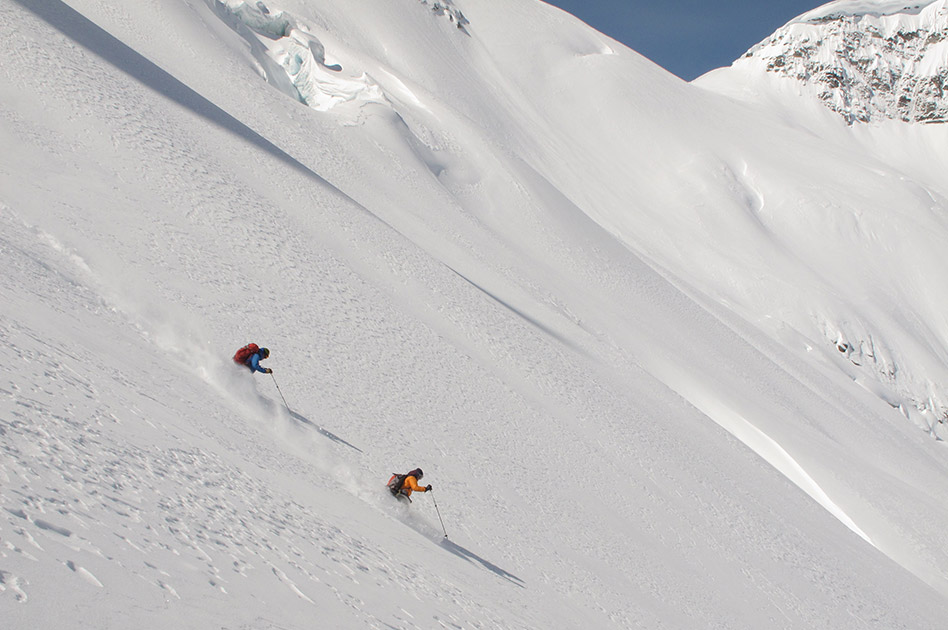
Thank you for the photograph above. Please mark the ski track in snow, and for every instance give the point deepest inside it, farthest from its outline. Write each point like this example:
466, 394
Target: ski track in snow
156, 509
79, 492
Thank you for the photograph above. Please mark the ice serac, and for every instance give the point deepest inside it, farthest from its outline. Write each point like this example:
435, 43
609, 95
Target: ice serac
292, 58
867, 60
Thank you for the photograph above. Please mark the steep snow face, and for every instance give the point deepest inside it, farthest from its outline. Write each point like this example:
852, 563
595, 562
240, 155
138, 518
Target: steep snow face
882, 63
542, 268
866, 60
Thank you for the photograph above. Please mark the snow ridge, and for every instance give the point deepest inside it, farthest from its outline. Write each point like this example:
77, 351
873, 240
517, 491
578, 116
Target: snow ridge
867, 61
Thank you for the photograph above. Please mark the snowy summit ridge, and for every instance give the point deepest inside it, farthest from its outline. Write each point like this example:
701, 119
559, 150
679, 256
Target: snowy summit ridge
866, 60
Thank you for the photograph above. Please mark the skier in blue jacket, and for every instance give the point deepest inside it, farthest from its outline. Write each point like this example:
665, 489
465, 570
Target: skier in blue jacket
251, 355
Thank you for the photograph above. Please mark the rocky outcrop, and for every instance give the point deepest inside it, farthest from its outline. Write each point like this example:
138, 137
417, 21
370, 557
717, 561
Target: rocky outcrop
867, 60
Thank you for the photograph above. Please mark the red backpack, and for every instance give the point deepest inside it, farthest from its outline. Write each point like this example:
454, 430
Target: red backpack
243, 355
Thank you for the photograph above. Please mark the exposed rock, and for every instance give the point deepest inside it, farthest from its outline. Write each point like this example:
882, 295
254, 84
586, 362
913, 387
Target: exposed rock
867, 66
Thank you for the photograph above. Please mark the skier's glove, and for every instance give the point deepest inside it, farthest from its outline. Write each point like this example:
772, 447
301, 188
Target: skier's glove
428, 488
268, 370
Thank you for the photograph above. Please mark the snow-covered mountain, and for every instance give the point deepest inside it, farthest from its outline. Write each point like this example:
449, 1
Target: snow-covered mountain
866, 60
671, 355
878, 62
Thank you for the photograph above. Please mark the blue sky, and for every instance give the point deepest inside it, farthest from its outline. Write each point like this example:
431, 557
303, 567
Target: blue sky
687, 37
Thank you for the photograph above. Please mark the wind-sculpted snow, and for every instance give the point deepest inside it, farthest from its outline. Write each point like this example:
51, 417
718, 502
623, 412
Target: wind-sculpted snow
838, 8
294, 60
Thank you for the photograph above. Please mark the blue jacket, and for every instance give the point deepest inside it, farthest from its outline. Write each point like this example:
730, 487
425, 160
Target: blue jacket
254, 363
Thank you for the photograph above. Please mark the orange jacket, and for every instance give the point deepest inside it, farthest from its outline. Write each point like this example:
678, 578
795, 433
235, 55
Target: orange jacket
411, 484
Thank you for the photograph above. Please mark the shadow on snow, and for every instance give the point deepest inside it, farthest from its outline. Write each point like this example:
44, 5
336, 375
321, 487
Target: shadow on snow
103, 44
473, 558
332, 436
98, 41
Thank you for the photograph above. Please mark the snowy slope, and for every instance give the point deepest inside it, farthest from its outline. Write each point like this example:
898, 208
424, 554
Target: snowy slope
590, 300
899, 167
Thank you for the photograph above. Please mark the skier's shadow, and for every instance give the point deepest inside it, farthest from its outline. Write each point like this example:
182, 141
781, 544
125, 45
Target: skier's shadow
473, 558
332, 436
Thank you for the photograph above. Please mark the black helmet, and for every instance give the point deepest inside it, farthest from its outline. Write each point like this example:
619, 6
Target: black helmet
264, 353
417, 473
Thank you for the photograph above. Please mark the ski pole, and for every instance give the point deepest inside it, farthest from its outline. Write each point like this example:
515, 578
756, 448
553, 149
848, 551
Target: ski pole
281, 393
439, 515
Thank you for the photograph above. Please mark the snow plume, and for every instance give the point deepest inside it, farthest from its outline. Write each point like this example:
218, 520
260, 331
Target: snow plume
293, 59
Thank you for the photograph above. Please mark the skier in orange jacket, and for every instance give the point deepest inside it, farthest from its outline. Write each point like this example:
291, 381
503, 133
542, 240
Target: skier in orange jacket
401, 486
